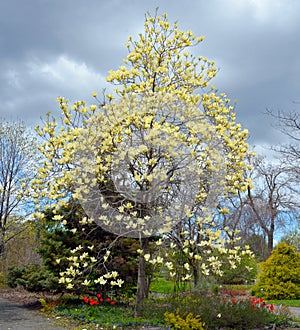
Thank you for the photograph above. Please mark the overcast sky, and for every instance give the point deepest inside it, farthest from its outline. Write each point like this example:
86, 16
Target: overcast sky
51, 48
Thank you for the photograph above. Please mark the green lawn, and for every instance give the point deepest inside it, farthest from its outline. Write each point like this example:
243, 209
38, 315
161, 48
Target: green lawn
292, 303
163, 286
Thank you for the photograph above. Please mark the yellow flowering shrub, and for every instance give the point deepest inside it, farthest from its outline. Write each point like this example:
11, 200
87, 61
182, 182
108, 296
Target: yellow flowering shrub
190, 322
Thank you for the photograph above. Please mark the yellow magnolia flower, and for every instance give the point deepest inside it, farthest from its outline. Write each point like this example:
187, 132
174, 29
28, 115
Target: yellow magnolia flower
86, 282
147, 257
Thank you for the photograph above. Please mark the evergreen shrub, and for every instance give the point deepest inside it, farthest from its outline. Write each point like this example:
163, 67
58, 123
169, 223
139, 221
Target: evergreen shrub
279, 277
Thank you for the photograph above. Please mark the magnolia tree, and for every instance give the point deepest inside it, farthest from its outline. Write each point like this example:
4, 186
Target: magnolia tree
153, 161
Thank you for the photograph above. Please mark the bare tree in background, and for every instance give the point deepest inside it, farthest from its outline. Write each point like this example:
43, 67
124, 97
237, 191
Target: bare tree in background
289, 124
18, 163
257, 215
272, 201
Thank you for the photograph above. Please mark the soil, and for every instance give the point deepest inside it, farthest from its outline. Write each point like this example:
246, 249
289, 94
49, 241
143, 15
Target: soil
22, 297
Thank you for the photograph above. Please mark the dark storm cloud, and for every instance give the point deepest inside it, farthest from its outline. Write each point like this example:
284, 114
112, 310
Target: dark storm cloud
54, 47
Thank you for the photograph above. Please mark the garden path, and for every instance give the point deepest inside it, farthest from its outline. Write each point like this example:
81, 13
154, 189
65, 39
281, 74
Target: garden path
15, 316
296, 311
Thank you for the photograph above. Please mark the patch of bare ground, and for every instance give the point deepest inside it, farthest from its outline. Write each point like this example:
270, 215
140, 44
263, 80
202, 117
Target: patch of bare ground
238, 294
23, 297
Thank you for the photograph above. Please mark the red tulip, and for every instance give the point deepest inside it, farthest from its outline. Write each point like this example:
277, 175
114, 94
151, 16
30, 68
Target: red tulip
94, 302
85, 299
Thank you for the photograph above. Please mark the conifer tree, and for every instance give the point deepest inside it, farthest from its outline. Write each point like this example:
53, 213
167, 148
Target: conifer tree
279, 277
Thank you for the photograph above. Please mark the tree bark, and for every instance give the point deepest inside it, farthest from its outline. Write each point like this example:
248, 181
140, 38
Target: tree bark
2, 243
195, 275
143, 281
270, 244
268, 231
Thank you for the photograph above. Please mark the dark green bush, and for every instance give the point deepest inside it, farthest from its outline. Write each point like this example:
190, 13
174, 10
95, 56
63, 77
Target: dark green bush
279, 277
57, 242
33, 278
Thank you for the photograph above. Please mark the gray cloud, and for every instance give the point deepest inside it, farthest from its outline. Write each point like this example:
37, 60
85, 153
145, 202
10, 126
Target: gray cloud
53, 47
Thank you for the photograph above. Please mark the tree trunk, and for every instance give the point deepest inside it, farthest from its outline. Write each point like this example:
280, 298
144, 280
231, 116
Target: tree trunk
2, 243
196, 275
143, 281
270, 242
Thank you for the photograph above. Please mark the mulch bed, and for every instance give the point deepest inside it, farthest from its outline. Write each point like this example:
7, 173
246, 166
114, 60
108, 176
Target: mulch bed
25, 298
229, 294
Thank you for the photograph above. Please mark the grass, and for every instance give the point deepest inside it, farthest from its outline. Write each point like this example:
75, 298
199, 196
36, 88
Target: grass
238, 286
292, 303
163, 286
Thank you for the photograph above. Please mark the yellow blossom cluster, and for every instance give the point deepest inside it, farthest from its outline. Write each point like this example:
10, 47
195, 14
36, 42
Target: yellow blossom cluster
80, 266
160, 61
144, 159
158, 155
196, 252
